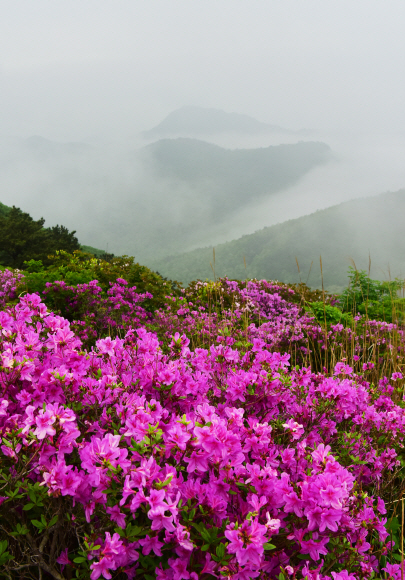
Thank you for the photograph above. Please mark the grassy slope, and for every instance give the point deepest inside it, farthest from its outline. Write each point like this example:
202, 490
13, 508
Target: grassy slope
349, 230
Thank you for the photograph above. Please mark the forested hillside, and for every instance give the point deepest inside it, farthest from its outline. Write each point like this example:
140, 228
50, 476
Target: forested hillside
352, 230
230, 179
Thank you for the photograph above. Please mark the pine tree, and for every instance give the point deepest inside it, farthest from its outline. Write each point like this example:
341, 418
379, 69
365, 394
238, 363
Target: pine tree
22, 239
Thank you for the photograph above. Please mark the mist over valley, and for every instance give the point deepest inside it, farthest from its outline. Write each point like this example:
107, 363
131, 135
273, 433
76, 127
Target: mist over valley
181, 192
151, 138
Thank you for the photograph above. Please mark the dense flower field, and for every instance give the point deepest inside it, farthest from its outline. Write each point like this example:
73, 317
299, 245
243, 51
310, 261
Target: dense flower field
227, 434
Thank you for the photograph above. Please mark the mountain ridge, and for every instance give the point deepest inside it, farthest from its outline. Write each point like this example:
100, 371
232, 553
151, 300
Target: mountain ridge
338, 234
192, 120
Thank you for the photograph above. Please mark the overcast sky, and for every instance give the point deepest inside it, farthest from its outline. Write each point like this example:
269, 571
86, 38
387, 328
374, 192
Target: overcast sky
88, 69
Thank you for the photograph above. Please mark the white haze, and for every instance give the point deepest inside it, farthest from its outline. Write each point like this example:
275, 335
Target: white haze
99, 73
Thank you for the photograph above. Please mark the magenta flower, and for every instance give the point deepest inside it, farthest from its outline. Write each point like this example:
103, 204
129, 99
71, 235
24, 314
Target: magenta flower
296, 430
344, 575
381, 506
209, 566
393, 571
70, 482
101, 568
247, 542
117, 516
313, 548
293, 504
330, 519
217, 453
331, 495
179, 567
44, 422
112, 545
63, 559
321, 453
151, 543
156, 498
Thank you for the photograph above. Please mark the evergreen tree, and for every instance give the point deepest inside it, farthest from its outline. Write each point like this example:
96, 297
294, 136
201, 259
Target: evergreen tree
22, 239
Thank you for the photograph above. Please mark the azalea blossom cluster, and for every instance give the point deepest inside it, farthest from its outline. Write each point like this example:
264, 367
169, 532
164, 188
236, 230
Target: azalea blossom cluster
93, 314
147, 458
244, 311
10, 281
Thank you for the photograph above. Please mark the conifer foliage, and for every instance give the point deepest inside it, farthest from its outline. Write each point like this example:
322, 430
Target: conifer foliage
23, 238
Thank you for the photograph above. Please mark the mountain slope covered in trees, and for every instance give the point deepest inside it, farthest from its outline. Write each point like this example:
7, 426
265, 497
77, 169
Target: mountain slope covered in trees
227, 179
355, 230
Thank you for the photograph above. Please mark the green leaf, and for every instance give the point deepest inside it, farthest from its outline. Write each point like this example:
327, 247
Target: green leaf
268, 546
220, 551
205, 535
213, 533
53, 521
5, 558
7, 443
205, 547
3, 546
79, 560
38, 524
392, 524
28, 506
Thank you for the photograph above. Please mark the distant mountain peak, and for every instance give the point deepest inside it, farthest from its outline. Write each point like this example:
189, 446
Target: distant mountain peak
190, 120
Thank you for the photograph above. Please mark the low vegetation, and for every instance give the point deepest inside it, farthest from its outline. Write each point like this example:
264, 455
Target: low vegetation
237, 429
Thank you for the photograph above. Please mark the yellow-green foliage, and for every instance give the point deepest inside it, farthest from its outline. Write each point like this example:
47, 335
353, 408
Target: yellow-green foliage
80, 268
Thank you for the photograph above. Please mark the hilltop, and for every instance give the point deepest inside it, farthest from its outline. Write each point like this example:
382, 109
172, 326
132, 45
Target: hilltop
205, 121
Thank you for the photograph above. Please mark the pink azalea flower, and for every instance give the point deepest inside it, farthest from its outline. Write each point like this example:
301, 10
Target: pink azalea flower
117, 516
44, 421
313, 548
63, 559
247, 542
151, 543
296, 430
209, 566
101, 568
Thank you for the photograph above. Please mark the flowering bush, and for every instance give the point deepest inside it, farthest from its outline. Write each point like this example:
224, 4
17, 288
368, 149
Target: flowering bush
10, 281
150, 457
94, 315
